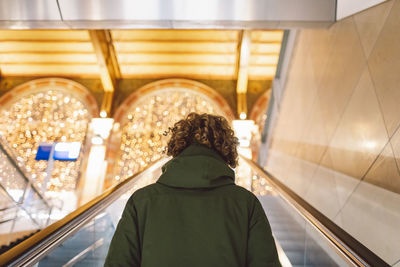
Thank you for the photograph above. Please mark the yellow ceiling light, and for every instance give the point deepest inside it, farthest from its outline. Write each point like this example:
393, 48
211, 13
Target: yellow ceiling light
202, 54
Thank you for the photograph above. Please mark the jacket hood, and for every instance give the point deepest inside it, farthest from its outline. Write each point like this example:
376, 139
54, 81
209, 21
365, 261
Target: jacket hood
196, 167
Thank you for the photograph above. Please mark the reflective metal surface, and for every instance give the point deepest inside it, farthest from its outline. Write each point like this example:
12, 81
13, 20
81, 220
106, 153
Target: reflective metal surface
177, 14
29, 10
83, 237
31, 250
194, 10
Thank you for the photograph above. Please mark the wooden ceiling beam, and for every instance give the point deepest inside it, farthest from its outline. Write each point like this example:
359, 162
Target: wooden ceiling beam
243, 73
108, 65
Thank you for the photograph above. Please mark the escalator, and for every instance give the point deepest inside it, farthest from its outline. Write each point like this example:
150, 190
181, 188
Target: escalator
24, 210
304, 236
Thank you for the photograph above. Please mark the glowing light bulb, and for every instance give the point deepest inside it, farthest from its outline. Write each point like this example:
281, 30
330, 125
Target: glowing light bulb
103, 114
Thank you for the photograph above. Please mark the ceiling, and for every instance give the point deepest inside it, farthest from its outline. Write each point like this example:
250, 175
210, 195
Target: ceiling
166, 14
201, 54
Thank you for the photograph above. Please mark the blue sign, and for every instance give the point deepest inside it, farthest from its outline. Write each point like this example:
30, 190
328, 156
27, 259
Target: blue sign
67, 151
62, 151
43, 152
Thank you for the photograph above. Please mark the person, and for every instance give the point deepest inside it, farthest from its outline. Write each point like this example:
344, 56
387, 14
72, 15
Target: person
195, 215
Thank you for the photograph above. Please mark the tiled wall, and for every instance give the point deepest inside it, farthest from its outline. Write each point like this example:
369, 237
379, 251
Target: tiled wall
336, 141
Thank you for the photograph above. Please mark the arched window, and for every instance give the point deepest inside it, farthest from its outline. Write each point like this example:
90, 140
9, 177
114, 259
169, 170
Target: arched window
47, 111
148, 113
259, 115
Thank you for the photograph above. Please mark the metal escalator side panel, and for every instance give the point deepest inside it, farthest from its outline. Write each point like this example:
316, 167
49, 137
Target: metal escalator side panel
39, 245
345, 245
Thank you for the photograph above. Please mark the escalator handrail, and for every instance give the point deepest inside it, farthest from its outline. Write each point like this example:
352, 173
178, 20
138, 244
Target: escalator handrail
4, 148
37, 246
348, 246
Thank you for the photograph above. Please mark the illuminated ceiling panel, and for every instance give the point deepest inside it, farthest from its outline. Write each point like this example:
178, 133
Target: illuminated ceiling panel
51, 35
50, 69
13, 58
176, 47
47, 53
156, 70
264, 54
45, 46
203, 54
266, 36
204, 58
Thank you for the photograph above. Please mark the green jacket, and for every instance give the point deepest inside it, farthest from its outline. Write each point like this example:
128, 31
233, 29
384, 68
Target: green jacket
193, 216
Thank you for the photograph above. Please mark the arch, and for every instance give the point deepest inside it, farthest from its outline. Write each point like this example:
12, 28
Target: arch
259, 115
147, 113
43, 84
47, 110
185, 84
259, 110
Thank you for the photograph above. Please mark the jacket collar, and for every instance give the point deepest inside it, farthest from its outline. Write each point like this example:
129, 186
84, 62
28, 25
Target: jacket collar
197, 167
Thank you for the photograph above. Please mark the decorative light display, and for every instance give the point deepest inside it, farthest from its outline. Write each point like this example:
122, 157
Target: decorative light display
249, 179
260, 120
244, 176
11, 181
45, 116
143, 141
50, 116
142, 138
260, 186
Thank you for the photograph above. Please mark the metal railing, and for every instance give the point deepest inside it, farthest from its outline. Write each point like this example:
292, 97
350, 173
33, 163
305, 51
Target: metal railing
39, 245
19, 192
347, 247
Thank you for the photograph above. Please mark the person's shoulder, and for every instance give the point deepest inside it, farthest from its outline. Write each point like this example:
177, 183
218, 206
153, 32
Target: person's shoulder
145, 192
241, 192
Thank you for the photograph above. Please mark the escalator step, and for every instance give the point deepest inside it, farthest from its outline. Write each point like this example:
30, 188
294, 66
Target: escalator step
5, 248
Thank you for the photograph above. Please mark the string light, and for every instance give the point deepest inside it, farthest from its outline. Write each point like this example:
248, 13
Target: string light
142, 139
54, 116
11, 181
249, 179
48, 116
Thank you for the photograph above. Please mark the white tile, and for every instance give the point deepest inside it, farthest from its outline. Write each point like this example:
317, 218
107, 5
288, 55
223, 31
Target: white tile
369, 24
361, 133
338, 220
277, 164
324, 244
395, 141
397, 264
322, 194
345, 64
349, 7
384, 172
313, 140
384, 63
372, 216
344, 186
300, 173
293, 172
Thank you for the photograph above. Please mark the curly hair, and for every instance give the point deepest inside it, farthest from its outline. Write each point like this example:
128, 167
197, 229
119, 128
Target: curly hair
209, 130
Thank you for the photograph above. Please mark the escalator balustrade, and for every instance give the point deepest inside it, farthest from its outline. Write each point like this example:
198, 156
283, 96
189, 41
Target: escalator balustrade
304, 236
